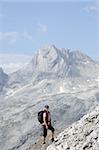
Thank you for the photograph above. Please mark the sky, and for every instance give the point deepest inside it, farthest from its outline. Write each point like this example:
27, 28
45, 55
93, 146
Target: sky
25, 26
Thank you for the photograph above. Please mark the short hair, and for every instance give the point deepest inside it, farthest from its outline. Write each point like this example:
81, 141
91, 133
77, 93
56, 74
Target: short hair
46, 106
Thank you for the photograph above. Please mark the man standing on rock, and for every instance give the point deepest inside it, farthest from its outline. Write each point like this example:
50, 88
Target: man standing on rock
47, 123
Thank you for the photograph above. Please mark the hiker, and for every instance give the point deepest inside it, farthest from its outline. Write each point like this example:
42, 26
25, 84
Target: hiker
46, 122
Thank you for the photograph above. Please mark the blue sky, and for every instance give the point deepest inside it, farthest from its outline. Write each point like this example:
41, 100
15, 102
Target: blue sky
28, 25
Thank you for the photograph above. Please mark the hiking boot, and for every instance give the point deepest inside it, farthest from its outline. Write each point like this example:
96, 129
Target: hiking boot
44, 142
52, 139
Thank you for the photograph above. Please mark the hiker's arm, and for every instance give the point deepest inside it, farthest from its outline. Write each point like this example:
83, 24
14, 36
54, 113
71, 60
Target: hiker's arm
44, 119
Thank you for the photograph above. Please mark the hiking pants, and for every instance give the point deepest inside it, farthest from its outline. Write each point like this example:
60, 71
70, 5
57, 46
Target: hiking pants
50, 127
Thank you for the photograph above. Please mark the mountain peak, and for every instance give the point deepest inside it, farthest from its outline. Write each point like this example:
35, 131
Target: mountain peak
51, 62
49, 46
1, 70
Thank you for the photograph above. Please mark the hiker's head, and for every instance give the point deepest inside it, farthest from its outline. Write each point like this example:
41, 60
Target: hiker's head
46, 107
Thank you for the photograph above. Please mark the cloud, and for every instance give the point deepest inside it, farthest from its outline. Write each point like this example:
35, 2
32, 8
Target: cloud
13, 62
12, 67
12, 37
27, 36
42, 28
9, 37
92, 8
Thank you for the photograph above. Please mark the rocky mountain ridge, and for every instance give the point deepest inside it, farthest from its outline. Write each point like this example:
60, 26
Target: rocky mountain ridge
53, 63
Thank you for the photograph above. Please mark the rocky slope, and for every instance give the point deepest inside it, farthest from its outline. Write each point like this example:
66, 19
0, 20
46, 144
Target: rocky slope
82, 135
19, 127
3, 79
67, 81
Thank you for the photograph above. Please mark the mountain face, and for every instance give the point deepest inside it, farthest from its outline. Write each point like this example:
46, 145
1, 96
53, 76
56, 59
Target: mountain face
19, 127
82, 135
53, 63
3, 79
67, 81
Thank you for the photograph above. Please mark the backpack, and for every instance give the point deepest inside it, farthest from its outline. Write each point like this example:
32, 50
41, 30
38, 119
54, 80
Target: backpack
40, 116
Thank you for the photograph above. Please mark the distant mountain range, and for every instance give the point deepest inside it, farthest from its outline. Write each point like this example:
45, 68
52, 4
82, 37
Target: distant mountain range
53, 63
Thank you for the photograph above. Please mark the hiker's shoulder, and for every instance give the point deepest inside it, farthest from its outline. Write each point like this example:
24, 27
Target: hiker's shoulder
46, 112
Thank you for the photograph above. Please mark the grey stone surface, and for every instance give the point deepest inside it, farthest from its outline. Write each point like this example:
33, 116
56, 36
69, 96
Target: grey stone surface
67, 81
82, 135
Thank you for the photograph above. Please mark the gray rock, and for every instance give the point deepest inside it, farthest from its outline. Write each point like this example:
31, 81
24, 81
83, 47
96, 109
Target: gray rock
67, 81
3, 79
82, 135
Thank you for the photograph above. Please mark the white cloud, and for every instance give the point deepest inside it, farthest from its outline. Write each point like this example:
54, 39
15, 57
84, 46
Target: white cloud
12, 62
11, 67
42, 28
92, 8
12, 37
9, 37
27, 36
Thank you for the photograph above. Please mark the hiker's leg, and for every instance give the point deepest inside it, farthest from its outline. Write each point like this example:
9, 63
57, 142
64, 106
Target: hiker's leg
44, 140
52, 129
44, 133
52, 134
